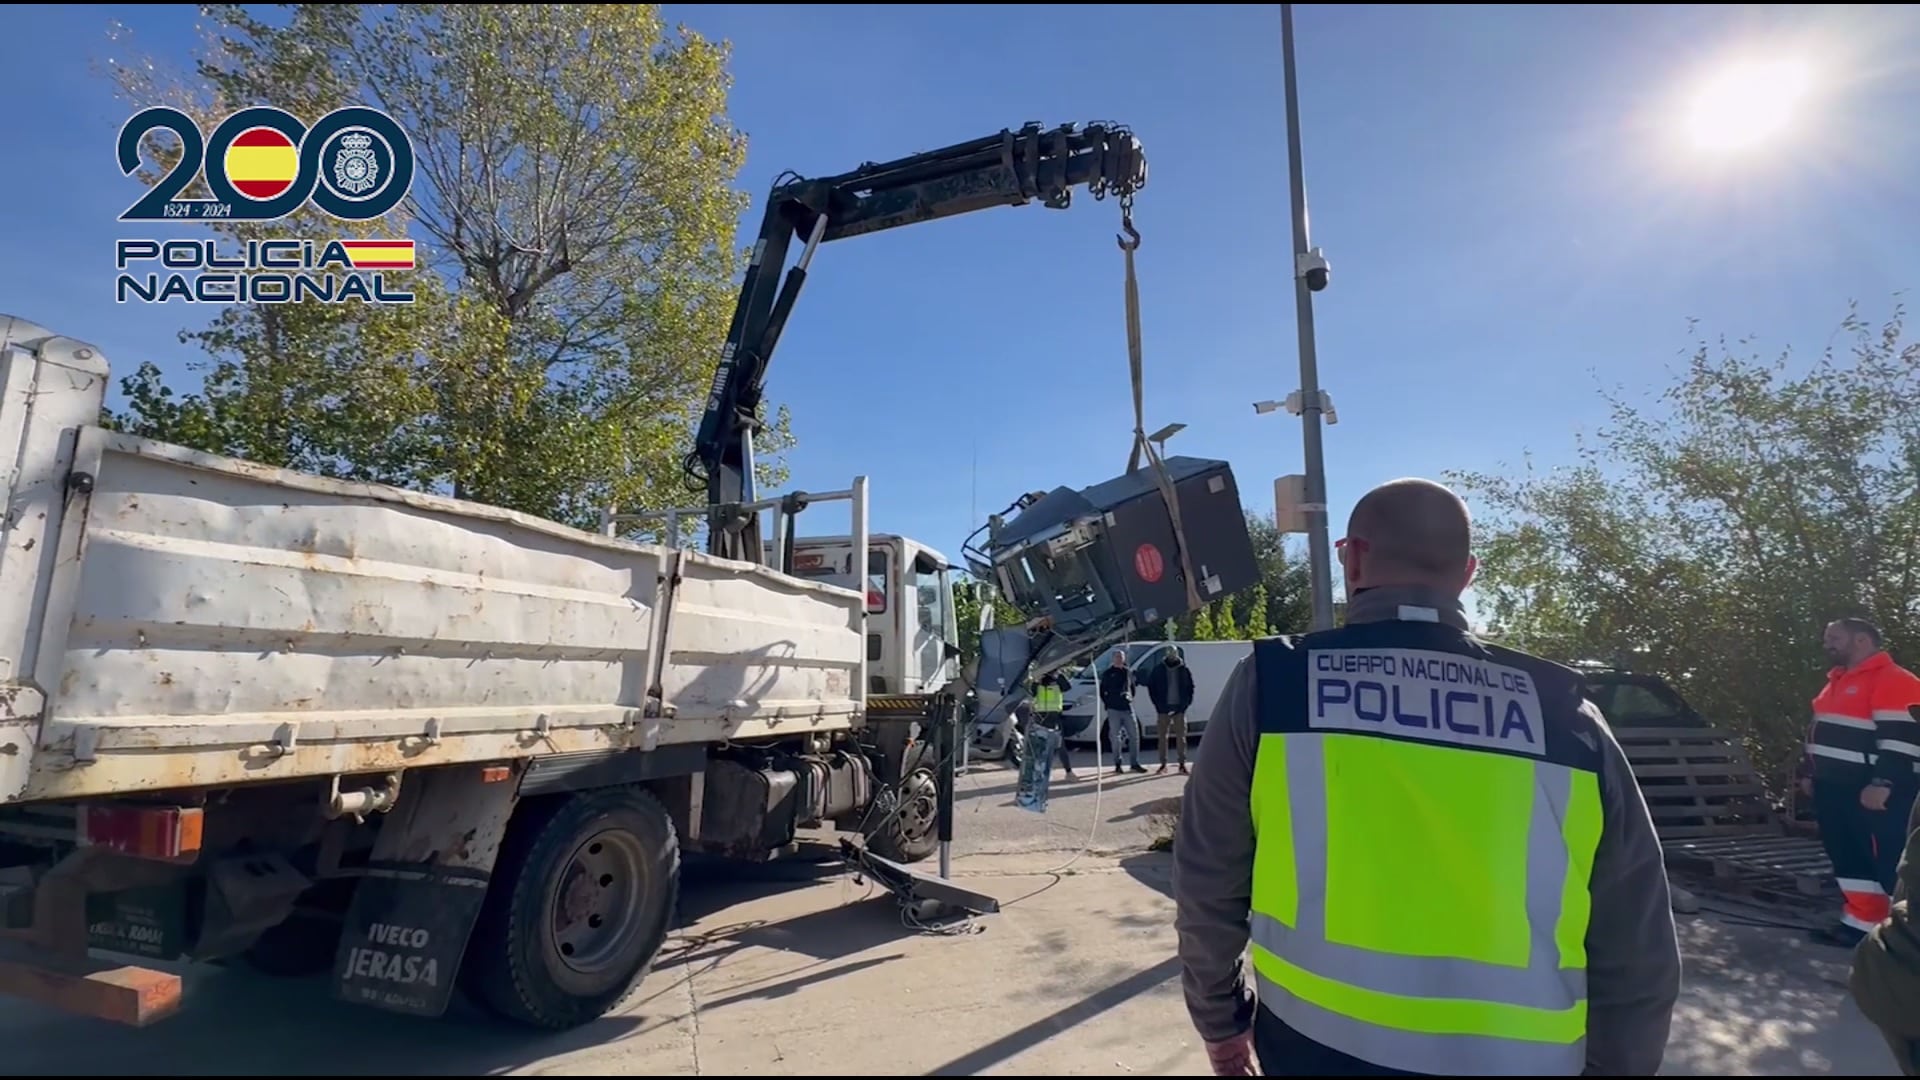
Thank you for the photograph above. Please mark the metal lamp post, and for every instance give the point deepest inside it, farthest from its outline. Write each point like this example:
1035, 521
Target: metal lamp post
1310, 275
1159, 438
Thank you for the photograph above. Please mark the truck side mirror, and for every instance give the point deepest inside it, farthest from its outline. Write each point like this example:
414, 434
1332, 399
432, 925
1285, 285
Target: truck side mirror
949, 650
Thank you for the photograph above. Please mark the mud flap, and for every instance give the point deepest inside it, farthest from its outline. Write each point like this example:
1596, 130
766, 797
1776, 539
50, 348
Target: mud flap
407, 929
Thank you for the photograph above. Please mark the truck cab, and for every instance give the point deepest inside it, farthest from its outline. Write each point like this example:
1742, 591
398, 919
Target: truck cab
913, 644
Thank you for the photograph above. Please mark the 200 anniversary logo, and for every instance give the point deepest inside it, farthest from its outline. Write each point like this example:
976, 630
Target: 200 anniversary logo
263, 164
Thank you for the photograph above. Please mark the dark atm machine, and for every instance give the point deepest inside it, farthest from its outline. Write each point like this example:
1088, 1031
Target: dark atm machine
1101, 565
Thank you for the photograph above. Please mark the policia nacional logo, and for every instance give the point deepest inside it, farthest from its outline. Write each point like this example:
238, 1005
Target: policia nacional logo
1433, 696
262, 164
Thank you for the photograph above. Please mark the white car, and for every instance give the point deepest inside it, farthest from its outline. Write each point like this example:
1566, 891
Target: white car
1210, 661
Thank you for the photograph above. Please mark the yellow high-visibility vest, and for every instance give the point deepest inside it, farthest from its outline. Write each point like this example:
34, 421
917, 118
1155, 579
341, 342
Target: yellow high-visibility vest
1427, 813
1047, 698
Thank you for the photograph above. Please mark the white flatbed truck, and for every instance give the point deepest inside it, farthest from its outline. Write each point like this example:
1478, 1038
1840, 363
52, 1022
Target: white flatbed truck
246, 712
429, 743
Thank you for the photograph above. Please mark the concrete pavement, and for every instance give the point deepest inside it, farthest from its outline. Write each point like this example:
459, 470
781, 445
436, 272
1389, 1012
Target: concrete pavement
781, 973
794, 969
784, 971
1761, 1000
1114, 815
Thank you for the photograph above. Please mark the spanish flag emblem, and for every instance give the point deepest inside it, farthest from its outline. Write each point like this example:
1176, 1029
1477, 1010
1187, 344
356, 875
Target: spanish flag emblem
262, 163
379, 254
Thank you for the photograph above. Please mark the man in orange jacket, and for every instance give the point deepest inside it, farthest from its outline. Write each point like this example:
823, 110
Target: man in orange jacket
1865, 758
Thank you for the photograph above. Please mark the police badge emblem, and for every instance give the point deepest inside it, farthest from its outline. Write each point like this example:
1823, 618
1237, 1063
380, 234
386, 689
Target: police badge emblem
355, 168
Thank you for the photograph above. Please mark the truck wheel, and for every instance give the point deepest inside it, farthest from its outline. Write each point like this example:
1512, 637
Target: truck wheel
905, 818
583, 897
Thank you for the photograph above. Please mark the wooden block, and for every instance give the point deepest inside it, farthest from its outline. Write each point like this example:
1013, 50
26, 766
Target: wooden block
124, 994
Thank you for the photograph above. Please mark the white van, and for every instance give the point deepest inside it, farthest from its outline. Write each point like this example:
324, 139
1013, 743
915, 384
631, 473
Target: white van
1210, 661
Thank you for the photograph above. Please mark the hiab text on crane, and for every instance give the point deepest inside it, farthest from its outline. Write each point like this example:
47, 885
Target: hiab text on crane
260, 271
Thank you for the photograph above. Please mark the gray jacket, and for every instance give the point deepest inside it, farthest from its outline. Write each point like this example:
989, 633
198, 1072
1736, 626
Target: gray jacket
1633, 954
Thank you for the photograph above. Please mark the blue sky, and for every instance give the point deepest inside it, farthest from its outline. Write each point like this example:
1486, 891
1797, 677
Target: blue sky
1497, 188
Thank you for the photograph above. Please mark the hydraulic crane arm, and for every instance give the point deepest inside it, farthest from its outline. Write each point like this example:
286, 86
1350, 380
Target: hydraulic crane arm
1008, 169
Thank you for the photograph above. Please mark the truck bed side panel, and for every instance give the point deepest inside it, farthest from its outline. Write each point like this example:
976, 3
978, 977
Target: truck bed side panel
741, 644
49, 387
232, 622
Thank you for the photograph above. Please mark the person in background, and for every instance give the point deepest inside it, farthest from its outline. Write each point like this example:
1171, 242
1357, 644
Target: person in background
1116, 698
1864, 750
1885, 982
1431, 847
1170, 685
1049, 701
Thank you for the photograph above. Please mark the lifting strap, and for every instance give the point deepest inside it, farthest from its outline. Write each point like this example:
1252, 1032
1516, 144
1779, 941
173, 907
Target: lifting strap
1128, 245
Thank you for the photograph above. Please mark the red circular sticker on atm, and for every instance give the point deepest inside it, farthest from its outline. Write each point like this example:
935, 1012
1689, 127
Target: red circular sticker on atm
1147, 563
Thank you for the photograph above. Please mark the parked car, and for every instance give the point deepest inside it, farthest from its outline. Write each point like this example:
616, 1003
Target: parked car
1630, 699
1672, 778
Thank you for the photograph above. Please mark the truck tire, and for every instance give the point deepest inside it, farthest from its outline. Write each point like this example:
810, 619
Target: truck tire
904, 823
583, 897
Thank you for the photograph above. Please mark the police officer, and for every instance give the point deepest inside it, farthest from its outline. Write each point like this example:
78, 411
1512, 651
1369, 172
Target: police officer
1049, 702
1433, 845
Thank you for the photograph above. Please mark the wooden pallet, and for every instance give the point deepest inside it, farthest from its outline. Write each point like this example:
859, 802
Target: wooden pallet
1781, 864
1697, 782
1750, 896
1714, 818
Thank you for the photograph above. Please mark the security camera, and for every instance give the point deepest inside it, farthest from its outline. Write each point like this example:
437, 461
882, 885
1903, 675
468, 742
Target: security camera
1312, 265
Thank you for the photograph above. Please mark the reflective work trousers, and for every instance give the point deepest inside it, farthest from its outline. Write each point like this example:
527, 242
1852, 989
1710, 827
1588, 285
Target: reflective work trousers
1864, 846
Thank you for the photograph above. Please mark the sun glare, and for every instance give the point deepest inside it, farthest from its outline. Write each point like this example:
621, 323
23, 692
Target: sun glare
1746, 105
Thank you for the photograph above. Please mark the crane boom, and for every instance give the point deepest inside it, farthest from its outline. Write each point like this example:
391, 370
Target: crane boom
1011, 168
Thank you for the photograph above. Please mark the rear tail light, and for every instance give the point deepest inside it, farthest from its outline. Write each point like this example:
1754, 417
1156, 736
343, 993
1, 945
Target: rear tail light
148, 832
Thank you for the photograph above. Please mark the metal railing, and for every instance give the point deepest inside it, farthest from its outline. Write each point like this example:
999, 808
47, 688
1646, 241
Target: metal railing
775, 553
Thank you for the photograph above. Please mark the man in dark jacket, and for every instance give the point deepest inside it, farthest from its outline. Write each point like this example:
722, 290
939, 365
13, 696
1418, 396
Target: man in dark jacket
1170, 685
1116, 698
1886, 963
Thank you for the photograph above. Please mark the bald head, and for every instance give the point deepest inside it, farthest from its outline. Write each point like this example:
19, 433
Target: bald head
1413, 532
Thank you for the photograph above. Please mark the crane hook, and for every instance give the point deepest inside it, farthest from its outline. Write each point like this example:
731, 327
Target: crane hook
1130, 242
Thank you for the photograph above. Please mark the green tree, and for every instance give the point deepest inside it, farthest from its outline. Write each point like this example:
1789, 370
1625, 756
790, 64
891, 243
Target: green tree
1256, 627
1710, 540
969, 595
1287, 592
1225, 626
1282, 592
576, 218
